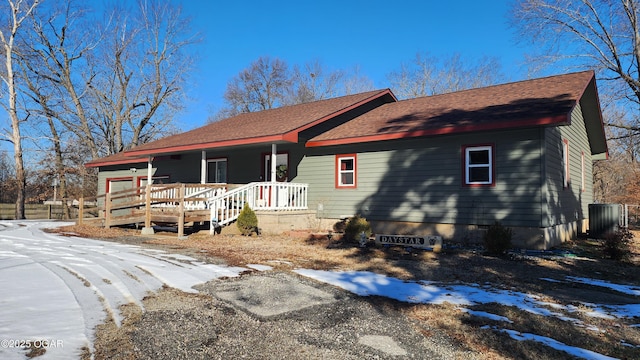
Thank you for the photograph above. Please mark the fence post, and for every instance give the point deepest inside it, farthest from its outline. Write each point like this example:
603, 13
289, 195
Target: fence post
107, 210
80, 210
147, 205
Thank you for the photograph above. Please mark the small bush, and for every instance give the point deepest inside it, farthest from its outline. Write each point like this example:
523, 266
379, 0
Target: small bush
356, 225
247, 221
616, 245
497, 239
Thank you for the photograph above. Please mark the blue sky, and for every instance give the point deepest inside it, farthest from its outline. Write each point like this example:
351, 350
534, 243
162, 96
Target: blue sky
377, 36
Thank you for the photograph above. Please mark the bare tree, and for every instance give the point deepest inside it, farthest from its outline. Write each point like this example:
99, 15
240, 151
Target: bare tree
261, 86
601, 35
354, 82
121, 79
267, 83
312, 82
427, 75
144, 68
18, 11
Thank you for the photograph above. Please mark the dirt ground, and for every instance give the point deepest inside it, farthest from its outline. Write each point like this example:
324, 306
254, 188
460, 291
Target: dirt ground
519, 271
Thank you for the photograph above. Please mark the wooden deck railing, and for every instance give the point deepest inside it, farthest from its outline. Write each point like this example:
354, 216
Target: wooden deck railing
176, 202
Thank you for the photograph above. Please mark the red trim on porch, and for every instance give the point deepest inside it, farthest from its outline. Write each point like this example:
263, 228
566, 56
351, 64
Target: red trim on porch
116, 162
122, 178
217, 144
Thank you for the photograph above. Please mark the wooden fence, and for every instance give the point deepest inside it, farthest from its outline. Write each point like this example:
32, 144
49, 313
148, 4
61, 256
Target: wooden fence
37, 211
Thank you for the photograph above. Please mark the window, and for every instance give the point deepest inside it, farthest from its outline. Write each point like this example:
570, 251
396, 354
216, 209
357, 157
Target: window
478, 165
346, 171
566, 180
216, 170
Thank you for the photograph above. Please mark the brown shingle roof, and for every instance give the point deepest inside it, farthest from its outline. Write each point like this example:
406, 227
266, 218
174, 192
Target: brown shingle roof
116, 159
280, 124
541, 101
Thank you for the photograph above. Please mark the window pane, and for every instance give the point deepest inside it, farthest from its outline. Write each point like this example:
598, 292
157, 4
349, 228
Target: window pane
479, 157
479, 174
217, 171
347, 179
346, 164
221, 174
211, 172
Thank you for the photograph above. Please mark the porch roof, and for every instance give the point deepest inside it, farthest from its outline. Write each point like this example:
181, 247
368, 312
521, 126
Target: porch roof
537, 102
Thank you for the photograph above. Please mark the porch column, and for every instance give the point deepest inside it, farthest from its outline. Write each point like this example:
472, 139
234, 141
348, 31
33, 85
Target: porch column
203, 168
149, 170
274, 154
147, 229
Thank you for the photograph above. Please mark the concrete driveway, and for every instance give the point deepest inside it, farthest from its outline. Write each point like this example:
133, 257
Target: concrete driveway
56, 289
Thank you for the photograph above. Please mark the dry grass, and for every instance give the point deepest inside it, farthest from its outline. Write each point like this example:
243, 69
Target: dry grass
521, 274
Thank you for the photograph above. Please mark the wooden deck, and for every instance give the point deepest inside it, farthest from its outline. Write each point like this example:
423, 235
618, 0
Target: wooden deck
179, 204
175, 204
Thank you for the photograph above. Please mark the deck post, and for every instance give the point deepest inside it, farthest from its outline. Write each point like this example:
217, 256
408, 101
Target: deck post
80, 210
181, 192
107, 210
147, 229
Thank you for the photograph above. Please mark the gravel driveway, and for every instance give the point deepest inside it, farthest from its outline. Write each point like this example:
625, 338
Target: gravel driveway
151, 304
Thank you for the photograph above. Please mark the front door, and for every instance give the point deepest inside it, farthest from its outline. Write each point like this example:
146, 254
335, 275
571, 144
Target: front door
116, 186
282, 167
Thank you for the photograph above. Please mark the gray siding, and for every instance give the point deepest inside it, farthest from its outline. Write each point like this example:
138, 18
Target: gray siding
421, 180
566, 204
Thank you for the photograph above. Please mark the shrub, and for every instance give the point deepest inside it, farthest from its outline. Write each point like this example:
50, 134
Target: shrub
616, 245
356, 225
247, 221
497, 239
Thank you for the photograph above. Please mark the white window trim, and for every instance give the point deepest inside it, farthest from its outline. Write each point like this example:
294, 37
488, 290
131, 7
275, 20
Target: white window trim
341, 172
468, 166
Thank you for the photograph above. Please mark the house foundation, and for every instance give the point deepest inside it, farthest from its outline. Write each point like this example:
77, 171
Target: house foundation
523, 237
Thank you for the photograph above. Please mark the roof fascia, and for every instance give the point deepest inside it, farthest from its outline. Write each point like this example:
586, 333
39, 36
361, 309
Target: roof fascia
203, 146
594, 123
551, 120
114, 162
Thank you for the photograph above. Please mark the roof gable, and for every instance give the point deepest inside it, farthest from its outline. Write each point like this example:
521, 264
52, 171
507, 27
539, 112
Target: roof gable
274, 125
544, 101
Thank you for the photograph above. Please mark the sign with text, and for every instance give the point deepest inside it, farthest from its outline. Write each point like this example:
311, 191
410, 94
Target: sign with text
426, 242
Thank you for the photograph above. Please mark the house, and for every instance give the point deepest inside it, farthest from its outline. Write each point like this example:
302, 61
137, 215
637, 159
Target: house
520, 153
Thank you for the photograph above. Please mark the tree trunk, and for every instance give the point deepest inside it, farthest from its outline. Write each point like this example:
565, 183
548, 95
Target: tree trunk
16, 138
